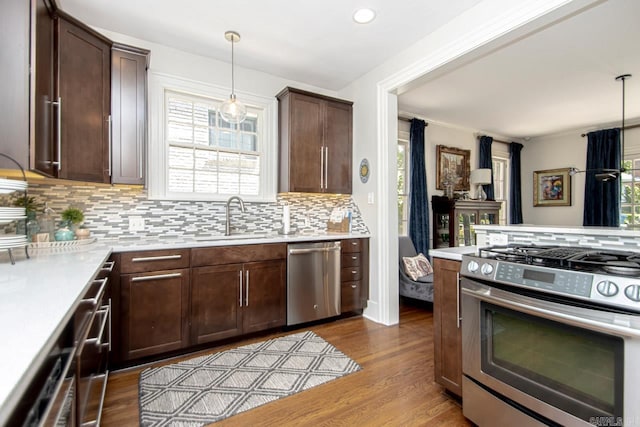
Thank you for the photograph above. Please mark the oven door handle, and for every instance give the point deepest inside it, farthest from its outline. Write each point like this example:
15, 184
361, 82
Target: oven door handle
560, 317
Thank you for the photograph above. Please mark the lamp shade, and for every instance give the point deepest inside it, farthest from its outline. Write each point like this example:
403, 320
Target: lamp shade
480, 176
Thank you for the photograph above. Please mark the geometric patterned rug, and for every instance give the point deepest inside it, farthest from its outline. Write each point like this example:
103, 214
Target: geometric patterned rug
209, 388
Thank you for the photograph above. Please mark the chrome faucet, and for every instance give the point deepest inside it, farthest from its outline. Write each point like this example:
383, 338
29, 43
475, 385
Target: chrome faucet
227, 230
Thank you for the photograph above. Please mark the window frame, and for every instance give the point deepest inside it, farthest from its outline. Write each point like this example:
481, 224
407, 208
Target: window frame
404, 139
158, 148
632, 156
504, 158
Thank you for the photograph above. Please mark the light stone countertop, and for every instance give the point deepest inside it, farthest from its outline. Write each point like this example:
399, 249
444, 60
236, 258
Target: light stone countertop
38, 296
561, 229
454, 253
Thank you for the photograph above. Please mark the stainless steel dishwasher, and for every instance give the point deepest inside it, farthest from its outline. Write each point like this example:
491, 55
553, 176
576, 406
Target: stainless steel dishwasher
313, 281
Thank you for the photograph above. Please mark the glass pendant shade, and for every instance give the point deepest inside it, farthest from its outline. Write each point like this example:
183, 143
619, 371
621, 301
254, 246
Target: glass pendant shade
233, 111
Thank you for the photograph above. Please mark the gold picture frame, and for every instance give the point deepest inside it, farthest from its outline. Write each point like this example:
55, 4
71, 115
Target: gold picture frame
552, 187
453, 164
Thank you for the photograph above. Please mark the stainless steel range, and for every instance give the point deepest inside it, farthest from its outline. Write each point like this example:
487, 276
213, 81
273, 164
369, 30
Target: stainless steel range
551, 336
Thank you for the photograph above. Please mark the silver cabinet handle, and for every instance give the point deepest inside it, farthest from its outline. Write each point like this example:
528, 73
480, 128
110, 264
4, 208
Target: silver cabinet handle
141, 140
155, 258
94, 301
156, 277
104, 311
240, 279
108, 266
109, 139
326, 168
354, 243
354, 271
354, 257
110, 333
458, 315
321, 168
354, 286
246, 296
58, 104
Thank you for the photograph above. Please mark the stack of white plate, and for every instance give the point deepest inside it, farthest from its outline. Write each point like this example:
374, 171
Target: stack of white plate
8, 215
8, 241
10, 185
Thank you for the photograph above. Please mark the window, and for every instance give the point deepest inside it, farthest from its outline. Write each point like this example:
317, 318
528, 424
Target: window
630, 197
403, 184
195, 155
500, 166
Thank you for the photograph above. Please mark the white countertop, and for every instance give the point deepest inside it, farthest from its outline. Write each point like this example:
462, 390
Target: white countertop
564, 229
454, 253
39, 295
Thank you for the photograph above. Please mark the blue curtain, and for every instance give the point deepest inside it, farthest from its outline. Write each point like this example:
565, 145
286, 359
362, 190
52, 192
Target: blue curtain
602, 199
484, 162
515, 185
418, 198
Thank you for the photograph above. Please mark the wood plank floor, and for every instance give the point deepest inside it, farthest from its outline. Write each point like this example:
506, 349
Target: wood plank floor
394, 388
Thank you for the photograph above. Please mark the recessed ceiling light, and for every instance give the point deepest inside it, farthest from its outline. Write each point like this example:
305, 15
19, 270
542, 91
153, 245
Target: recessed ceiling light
364, 16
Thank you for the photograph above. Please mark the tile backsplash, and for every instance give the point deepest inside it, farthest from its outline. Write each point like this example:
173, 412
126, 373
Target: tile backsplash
107, 210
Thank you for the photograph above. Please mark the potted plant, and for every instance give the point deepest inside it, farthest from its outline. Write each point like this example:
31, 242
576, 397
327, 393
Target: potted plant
73, 216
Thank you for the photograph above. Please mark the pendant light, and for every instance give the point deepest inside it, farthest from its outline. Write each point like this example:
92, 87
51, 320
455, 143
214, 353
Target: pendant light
233, 111
608, 175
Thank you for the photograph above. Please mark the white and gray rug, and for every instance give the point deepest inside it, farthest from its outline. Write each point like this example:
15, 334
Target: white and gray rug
209, 388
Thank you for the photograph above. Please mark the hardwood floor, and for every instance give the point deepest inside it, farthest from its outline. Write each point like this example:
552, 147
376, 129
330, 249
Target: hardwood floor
394, 388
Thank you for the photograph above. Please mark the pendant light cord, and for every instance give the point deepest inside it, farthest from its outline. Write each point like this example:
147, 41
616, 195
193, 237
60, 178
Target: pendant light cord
233, 90
622, 77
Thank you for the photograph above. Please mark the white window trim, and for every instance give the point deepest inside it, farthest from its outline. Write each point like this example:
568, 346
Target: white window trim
158, 150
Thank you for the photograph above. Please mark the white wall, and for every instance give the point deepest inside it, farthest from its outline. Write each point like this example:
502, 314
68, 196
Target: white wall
488, 25
564, 150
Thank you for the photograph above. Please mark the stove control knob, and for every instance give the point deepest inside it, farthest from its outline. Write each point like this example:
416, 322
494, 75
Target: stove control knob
472, 266
633, 292
486, 269
607, 288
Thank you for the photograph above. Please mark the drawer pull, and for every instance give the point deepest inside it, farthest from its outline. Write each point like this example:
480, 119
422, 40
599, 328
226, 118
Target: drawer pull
354, 286
354, 243
156, 258
354, 257
108, 266
98, 297
354, 271
156, 277
104, 311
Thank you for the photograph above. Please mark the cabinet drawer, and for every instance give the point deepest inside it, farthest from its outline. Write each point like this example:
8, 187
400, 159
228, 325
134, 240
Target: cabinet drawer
348, 274
352, 259
237, 254
351, 245
351, 296
144, 261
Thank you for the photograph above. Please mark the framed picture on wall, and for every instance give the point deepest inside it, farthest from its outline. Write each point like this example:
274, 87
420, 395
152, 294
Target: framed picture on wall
552, 187
452, 166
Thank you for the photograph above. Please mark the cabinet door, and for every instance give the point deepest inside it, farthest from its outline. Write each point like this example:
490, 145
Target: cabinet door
44, 111
215, 303
305, 143
265, 295
447, 335
154, 309
128, 111
84, 88
338, 147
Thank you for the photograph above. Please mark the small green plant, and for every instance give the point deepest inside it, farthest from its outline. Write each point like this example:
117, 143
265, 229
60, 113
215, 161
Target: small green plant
29, 203
73, 215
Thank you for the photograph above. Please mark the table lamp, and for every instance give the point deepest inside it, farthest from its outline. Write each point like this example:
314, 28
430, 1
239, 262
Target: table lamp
480, 177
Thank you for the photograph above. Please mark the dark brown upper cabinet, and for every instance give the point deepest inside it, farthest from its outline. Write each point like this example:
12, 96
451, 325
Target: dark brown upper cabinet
315, 143
128, 111
84, 94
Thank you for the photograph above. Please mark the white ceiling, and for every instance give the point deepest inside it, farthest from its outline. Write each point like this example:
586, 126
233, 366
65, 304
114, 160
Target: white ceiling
311, 41
557, 79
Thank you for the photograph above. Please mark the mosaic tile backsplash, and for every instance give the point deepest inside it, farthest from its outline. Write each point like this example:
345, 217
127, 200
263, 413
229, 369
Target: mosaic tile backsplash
107, 211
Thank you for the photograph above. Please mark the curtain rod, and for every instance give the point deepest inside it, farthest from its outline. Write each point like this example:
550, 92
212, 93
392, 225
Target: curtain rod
625, 128
404, 119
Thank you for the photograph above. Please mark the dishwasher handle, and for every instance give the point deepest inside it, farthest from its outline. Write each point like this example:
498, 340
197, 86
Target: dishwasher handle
313, 250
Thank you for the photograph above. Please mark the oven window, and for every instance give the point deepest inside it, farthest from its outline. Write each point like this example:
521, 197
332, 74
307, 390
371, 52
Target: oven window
576, 370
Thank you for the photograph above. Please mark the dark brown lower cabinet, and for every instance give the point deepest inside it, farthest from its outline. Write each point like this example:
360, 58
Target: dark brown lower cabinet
447, 332
154, 312
229, 300
354, 274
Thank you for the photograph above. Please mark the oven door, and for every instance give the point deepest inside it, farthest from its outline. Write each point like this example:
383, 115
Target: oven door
566, 364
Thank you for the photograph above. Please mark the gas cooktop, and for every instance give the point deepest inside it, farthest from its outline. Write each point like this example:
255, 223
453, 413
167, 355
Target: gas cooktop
599, 276
623, 263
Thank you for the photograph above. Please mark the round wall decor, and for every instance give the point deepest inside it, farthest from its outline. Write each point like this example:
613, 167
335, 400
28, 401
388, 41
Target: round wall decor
364, 170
